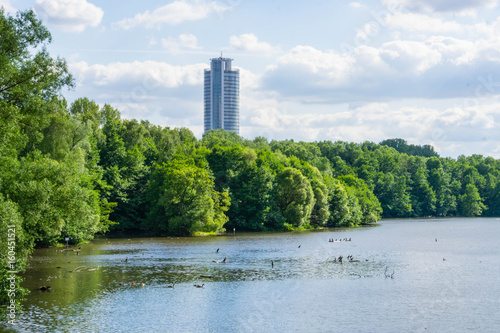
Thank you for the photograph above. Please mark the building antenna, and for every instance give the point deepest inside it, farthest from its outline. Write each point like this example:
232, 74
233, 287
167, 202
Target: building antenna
221, 54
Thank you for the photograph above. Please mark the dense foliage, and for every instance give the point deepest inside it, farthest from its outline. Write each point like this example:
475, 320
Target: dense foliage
48, 185
283, 185
68, 171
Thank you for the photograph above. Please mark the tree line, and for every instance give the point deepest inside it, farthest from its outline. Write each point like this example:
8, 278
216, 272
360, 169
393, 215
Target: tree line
76, 170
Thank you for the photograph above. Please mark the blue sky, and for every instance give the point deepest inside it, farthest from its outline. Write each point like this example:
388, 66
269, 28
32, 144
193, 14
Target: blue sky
427, 71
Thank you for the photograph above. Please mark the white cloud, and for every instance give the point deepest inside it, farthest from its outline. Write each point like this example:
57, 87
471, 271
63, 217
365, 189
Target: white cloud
70, 15
421, 26
165, 94
420, 22
455, 51
460, 7
409, 56
248, 80
442, 62
356, 5
173, 13
146, 75
478, 117
434, 67
452, 131
250, 42
329, 66
372, 91
170, 95
182, 43
7, 6
189, 41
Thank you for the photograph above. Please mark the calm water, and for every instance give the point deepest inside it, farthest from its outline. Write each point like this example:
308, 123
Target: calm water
448, 285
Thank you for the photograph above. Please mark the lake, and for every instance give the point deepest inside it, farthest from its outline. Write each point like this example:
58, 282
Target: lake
407, 276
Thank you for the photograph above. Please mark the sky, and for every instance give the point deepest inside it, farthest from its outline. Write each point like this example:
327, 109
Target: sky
427, 71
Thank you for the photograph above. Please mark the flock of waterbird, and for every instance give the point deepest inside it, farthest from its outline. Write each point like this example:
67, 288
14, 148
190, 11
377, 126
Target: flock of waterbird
331, 240
340, 259
223, 261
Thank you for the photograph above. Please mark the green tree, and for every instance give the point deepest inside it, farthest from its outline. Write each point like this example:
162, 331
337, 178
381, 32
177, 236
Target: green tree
29, 82
471, 203
221, 138
55, 199
226, 163
250, 199
439, 180
338, 203
87, 111
302, 150
46, 189
361, 195
183, 201
295, 197
14, 251
494, 201
258, 143
392, 194
320, 211
423, 199
415, 150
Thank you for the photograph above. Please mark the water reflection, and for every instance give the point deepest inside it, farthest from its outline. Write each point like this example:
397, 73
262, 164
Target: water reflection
268, 282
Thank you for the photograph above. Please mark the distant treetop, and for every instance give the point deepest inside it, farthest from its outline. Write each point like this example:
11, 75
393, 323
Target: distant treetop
413, 150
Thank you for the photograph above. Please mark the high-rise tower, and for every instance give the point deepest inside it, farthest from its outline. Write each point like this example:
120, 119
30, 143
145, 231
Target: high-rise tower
222, 96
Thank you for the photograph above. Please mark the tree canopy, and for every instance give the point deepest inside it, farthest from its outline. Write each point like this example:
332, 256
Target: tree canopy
47, 189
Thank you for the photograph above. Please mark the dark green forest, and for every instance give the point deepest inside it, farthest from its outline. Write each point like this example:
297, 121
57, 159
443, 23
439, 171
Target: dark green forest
77, 170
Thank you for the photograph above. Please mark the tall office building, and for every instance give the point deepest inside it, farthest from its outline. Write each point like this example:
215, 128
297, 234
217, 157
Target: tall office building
222, 96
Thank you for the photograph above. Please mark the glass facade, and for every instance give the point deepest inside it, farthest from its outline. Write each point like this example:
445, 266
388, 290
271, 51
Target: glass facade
222, 96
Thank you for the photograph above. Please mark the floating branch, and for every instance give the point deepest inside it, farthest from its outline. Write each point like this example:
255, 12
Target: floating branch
78, 269
387, 275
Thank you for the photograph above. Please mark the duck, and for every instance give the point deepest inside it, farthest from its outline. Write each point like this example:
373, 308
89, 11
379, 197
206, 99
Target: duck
199, 286
44, 288
171, 286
